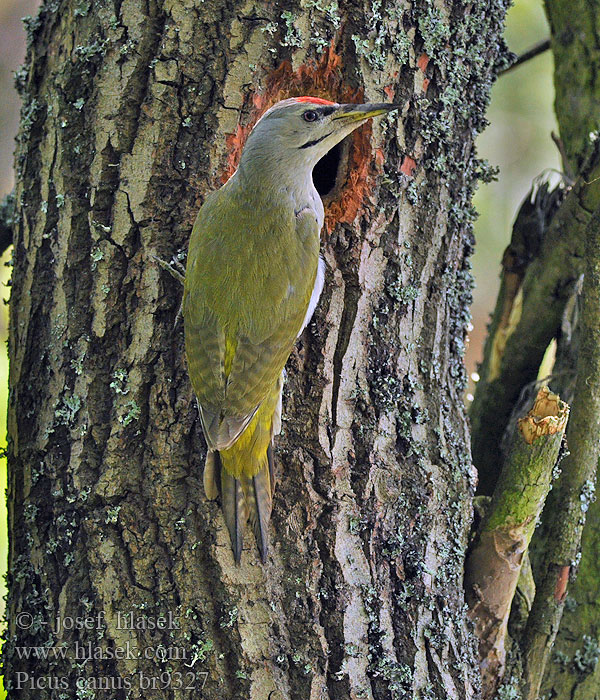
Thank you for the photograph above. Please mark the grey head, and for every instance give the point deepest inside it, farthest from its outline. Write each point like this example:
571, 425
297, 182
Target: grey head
294, 134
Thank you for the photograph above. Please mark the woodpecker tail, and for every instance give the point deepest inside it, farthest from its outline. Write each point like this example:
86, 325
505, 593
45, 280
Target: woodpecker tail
258, 491
243, 499
243, 476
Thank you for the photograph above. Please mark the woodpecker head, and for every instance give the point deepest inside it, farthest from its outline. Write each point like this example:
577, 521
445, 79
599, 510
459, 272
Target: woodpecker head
299, 131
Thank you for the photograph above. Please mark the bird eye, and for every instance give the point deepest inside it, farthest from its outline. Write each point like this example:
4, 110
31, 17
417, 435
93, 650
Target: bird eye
310, 116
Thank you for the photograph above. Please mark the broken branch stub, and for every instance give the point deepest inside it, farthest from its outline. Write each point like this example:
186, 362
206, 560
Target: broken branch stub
494, 565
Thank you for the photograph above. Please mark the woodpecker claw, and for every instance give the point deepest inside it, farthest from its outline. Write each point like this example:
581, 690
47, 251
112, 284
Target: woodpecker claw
177, 271
179, 315
174, 268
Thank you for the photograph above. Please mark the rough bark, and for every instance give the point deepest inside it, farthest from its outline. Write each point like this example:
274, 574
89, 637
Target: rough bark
133, 111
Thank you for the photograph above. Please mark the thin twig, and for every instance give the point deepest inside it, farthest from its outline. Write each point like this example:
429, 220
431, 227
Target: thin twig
534, 51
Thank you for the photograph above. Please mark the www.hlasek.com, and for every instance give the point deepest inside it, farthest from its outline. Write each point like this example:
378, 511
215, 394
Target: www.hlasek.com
76, 650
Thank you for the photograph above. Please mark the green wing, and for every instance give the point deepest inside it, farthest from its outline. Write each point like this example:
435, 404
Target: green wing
246, 295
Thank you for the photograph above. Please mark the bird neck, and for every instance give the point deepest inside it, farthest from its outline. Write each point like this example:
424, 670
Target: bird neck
268, 173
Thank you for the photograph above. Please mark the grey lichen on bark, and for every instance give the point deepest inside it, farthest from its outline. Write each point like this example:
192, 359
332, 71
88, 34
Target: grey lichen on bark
129, 113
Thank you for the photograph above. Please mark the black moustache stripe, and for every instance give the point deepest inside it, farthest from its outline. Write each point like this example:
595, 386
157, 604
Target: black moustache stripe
308, 144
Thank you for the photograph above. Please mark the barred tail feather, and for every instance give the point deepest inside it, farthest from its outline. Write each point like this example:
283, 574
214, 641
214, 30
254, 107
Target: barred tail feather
243, 475
243, 499
258, 492
234, 509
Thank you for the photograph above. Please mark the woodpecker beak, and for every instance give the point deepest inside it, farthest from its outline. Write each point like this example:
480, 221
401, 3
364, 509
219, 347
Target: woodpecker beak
358, 113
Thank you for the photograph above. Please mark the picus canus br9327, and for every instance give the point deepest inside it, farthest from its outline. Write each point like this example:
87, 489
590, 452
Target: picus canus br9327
252, 282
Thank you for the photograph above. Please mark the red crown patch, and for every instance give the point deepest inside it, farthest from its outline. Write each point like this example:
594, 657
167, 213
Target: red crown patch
314, 100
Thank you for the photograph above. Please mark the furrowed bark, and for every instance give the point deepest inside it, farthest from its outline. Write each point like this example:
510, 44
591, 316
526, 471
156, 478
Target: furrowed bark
133, 112
494, 564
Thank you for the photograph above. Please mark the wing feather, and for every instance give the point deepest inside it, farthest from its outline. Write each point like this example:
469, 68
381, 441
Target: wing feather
236, 355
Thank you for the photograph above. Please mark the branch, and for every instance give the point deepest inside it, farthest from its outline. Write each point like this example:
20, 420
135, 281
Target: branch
534, 51
564, 158
577, 482
494, 565
534, 318
511, 360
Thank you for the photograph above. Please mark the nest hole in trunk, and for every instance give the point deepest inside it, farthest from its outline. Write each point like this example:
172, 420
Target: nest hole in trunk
329, 174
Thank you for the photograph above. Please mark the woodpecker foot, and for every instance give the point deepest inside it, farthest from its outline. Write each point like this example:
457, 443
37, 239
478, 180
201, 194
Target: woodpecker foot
174, 268
179, 315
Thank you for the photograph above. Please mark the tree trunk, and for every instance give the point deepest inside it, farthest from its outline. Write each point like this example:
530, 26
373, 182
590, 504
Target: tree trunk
133, 112
550, 295
573, 673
